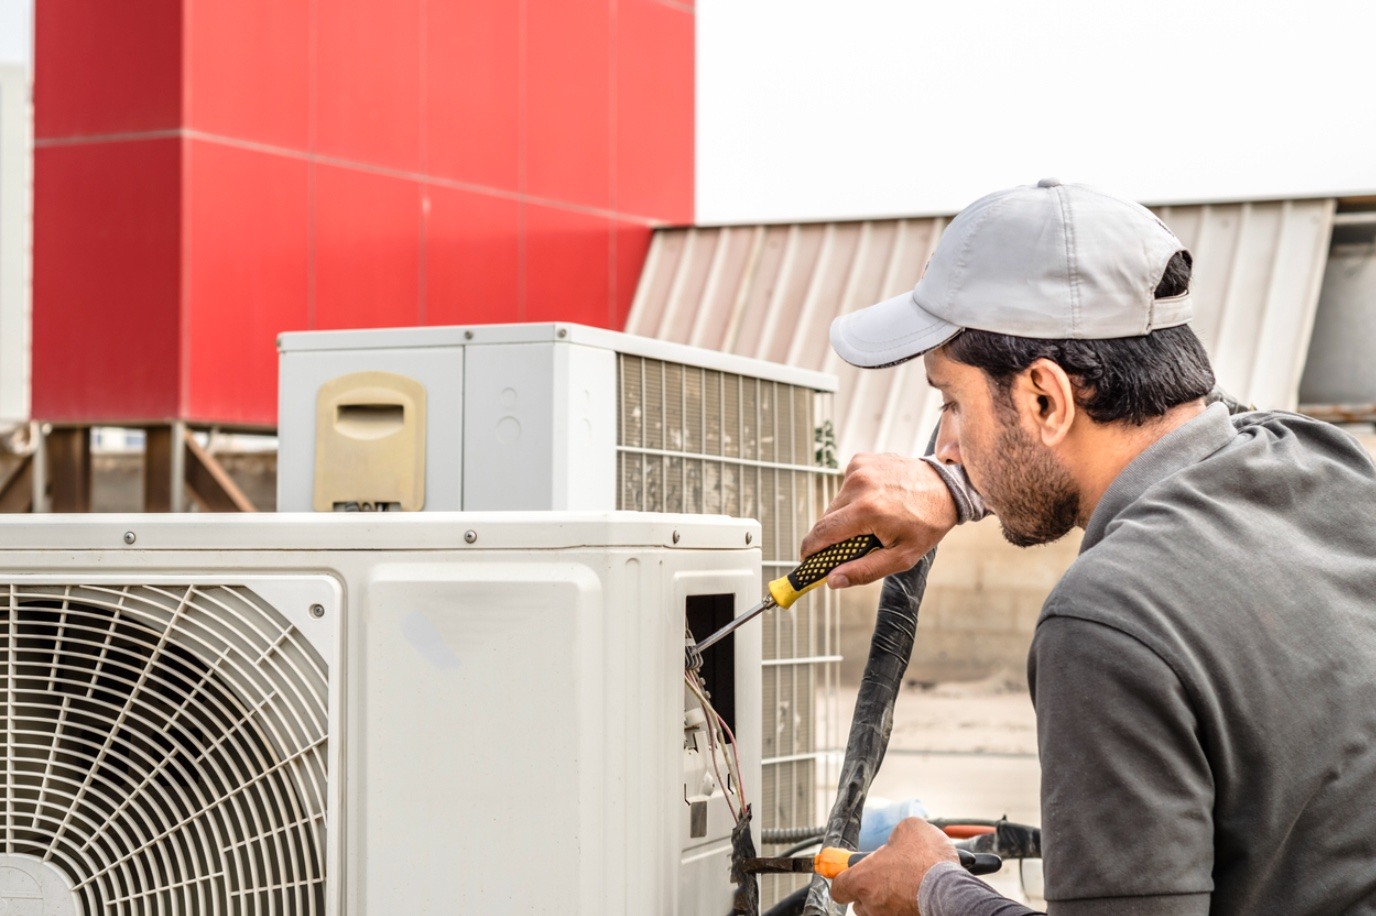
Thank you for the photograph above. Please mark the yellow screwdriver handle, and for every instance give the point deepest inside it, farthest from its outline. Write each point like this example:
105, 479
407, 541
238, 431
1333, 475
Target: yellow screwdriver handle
813, 571
831, 861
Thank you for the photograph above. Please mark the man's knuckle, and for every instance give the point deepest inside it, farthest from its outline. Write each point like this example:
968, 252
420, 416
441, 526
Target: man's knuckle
858, 479
864, 504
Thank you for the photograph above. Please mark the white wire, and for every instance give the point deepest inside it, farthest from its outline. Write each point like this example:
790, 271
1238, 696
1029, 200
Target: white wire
716, 724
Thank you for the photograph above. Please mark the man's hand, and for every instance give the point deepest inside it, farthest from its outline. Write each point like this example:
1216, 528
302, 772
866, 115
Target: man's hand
901, 501
885, 883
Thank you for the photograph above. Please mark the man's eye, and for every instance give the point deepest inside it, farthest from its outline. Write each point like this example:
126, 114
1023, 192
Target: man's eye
947, 405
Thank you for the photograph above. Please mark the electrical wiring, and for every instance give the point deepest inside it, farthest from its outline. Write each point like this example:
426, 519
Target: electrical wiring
735, 755
717, 725
717, 734
718, 731
710, 714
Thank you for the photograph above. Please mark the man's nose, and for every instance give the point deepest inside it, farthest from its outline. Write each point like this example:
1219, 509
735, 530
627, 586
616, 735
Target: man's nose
947, 441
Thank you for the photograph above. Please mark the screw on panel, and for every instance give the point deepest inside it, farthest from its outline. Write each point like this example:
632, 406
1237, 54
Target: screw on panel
129, 537
675, 537
562, 332
470, 536
467, 335
317, 610
749, 536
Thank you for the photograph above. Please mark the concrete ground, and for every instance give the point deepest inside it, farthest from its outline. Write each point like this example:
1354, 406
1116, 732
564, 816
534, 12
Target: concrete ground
964, 750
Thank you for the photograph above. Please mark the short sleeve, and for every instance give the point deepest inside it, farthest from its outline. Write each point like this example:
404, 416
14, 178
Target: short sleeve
1127, 791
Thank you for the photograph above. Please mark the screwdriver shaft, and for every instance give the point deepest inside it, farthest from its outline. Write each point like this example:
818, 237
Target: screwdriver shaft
735, 624
808, 575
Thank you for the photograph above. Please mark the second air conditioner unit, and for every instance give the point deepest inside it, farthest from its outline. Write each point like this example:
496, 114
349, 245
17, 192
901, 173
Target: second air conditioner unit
562, 416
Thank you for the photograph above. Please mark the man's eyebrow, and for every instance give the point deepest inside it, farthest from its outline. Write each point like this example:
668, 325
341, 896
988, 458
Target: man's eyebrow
932, 382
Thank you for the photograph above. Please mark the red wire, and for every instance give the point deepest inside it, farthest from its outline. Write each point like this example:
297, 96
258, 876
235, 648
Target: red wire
734, 753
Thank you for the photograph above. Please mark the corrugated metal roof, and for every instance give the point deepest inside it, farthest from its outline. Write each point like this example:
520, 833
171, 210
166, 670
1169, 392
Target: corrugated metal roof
771, 292
1258, 270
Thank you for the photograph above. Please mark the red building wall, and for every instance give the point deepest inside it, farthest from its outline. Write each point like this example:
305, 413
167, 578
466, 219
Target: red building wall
209, 173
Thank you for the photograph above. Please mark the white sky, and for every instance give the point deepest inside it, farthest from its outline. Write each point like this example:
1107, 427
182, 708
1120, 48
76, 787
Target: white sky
16, 31
813, 109
816, 109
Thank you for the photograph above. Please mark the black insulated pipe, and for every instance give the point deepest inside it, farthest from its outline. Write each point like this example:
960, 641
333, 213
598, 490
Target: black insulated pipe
891, 647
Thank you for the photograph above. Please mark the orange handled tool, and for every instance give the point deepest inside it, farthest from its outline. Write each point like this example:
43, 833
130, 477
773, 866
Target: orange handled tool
828, 863
831, 861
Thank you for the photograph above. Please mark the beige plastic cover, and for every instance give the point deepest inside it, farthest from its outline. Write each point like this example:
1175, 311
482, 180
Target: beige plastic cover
370, 443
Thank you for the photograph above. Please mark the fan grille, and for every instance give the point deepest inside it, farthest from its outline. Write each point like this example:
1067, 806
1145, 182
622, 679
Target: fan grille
165, 748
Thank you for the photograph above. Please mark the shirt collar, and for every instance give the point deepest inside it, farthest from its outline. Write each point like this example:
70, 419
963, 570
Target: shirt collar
1178, 449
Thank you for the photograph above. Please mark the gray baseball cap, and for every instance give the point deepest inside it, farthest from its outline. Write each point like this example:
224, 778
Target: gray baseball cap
1051, 261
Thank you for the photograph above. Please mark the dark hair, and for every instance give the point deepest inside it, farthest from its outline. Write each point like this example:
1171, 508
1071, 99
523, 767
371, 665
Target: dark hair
1133, 379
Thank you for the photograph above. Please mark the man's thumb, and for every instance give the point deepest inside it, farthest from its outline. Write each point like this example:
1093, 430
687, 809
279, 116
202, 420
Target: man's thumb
867, 569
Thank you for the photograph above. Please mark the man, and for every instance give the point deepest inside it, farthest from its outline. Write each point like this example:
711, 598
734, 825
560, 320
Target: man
1204, 674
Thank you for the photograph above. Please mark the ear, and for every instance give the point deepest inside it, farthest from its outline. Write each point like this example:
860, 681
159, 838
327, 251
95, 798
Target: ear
1045, 398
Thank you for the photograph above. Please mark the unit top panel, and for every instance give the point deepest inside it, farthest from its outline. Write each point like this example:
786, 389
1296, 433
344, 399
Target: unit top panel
551, 333
377, 531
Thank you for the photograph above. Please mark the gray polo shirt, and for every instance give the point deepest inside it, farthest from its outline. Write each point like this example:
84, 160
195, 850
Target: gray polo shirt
1205, 682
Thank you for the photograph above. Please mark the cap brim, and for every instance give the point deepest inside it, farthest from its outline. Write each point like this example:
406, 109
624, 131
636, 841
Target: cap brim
892, 332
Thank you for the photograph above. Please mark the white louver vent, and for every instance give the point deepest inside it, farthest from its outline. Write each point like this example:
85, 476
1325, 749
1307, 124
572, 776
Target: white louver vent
692, 439
164, 751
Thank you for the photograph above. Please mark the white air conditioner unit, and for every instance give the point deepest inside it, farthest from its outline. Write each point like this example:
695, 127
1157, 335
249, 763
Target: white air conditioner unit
535, 416
430, 713
563, 416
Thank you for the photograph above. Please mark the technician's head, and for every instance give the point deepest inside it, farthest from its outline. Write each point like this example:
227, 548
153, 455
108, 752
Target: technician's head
1043, 310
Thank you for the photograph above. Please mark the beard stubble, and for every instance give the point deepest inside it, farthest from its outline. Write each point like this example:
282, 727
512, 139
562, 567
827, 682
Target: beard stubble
1035, 498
